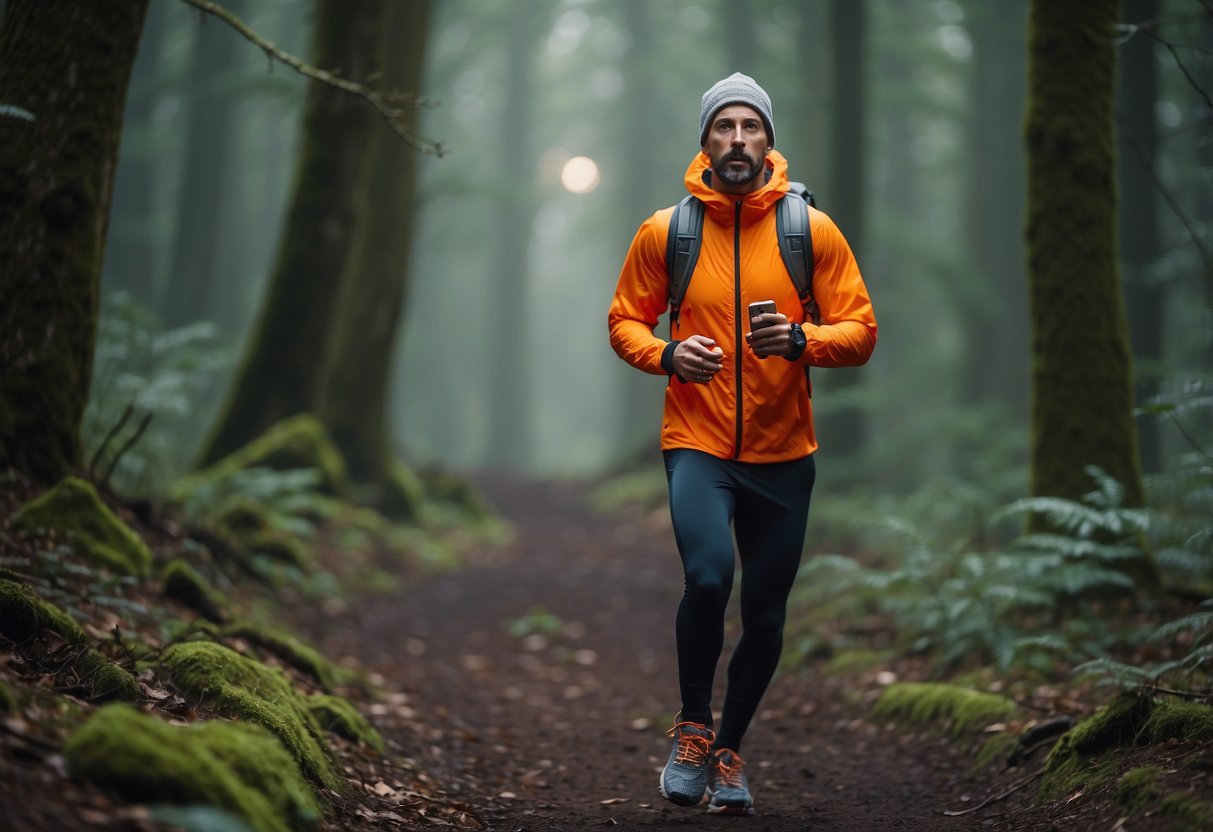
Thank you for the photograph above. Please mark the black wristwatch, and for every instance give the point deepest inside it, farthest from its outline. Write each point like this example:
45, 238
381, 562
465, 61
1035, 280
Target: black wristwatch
798, 343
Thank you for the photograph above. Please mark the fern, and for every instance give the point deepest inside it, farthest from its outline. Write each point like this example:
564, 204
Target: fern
169, 375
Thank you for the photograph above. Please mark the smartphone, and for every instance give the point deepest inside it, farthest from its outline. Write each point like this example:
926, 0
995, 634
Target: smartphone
759, 307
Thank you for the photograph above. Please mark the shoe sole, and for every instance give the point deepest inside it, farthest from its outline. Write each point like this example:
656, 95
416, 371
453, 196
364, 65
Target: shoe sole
724, 809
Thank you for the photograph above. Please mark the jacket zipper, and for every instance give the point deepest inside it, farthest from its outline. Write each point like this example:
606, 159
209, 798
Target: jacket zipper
737, 321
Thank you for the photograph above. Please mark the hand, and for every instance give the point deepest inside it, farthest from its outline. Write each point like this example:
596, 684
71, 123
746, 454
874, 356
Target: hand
697, 359
771, 334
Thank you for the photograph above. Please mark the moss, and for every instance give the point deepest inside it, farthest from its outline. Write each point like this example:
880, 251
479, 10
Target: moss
73, 507
1180, 720
8, 702
24, 614
402, 496
847, 661
965, 711
337, 715
1187, 813
998, 747
1074, 760
297, 442
240, 687
1138, 788
106, 680
237, 767
291, 650
280, 547
183, 583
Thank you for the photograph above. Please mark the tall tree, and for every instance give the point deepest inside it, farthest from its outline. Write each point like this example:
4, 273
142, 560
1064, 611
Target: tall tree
509, 428
995, 305
739, 36
130, 252
1141, 242
1082, 392
283, 359
67, 64
209, 136
353, 395
843, 428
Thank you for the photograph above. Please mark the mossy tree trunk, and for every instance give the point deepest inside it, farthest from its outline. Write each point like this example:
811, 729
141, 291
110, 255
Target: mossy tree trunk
352, 400
843, 429
1082, 393
1141, 242
282, 362
67, 63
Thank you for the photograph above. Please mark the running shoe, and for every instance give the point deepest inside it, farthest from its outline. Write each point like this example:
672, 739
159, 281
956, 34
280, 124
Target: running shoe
727, 784
685, 776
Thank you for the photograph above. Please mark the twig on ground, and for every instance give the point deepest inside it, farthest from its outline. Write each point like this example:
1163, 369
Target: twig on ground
1019, 784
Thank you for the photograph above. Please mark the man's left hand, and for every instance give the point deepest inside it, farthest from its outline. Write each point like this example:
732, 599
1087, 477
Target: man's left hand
771, 334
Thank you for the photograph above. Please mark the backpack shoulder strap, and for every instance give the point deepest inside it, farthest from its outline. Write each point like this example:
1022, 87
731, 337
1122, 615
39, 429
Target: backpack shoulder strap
682, 248
796, 244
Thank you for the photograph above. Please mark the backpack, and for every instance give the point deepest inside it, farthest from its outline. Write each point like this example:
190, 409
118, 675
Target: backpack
795, 246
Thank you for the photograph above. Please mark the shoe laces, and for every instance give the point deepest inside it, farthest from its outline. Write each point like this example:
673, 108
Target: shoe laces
693, 747
729, 768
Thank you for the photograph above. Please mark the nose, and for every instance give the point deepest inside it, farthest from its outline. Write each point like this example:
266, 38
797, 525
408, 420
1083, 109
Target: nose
738, 139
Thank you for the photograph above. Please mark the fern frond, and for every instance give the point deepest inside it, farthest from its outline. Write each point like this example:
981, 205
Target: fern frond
1194, 621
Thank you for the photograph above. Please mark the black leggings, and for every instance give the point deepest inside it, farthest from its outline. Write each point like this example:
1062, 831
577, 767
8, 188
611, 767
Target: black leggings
767, 505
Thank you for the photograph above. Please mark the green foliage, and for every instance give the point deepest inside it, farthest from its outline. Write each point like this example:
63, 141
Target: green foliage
234, 766
961, 711
538, 621
962, 603
339, 716
267, 498
169, 375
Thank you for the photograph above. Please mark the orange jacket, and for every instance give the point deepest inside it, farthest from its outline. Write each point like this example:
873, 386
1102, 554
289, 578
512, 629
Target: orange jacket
739, 263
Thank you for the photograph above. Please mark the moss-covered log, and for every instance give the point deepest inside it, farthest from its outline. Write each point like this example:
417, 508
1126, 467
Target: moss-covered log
1082, 394
66, 65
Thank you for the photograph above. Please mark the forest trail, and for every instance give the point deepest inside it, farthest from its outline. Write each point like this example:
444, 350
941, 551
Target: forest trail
563, 728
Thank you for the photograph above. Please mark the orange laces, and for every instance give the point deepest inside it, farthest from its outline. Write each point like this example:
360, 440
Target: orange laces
692, 749
728, 768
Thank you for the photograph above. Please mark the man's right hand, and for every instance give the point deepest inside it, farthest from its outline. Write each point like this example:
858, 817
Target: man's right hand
697, 359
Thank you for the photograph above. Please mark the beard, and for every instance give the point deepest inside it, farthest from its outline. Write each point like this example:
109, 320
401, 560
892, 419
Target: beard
734, 176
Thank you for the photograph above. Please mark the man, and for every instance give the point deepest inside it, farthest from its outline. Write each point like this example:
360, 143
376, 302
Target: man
737, 434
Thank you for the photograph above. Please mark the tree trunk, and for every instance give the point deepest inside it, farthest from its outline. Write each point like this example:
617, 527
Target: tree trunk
352, 401
843, 429
994, 307
739, 36
68, 64
1082, 393
209, 136
1141, 242
283, 359
510, 441
130, 250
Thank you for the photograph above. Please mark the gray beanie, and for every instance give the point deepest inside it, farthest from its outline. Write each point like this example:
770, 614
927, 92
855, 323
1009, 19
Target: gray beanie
736, 89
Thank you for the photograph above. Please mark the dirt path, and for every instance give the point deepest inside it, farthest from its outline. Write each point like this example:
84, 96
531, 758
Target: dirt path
565, 730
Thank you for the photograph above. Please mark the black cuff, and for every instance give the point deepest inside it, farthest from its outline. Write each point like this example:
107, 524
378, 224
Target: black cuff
667, 358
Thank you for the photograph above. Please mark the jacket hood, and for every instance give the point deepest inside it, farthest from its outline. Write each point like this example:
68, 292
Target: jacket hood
721, 205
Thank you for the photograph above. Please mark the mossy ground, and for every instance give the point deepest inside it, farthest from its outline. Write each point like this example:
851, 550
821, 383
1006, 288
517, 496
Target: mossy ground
73, 508
961, 711
339, 716
290, 649
183, 583
235, 766
238, 686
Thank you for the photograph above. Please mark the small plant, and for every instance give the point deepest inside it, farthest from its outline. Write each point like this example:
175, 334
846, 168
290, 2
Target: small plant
163, 378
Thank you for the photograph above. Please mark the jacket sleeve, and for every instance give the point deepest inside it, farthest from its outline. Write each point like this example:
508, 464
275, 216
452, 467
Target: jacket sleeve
641, 296
847, 333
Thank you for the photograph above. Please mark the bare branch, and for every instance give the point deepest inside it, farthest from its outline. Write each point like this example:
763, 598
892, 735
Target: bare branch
126, 446
394, 106
113, 431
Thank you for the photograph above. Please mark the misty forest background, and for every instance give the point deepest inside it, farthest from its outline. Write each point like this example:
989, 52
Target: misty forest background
259, 242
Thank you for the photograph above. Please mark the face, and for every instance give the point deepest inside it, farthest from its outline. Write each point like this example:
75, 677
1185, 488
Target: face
737, 146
